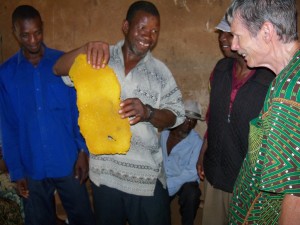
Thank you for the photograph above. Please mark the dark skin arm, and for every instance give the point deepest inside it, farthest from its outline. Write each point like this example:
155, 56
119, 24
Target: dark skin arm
133, 107
22, 188
97, 55
82, 167
199, 165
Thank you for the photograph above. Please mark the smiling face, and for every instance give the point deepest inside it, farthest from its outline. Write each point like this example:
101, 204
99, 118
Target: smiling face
225, 40
141, 34
29, 34
253, 49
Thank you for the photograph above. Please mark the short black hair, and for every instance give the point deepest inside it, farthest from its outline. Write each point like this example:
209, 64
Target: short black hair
24, 12
145, 6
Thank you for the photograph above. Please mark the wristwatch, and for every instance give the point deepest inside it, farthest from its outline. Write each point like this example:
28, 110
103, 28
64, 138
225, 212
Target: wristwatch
151, 112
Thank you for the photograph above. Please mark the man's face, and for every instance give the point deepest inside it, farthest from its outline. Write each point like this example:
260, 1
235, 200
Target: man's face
141, 34
253, 49
225, 40
29, 34
187, 125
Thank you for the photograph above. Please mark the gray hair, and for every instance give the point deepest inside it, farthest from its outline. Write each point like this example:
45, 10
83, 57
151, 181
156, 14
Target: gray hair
253, 13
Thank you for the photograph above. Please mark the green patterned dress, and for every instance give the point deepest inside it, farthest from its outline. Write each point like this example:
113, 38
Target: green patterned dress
272, 166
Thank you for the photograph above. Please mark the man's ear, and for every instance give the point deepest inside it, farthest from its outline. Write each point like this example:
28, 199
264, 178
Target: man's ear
267, 31
14, 31
13, 28
125, 26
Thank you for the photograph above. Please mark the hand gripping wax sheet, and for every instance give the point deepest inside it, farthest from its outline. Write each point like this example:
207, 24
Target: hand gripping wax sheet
98, 102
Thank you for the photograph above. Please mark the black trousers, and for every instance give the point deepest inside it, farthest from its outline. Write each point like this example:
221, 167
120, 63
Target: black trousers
40, 207
189, 201
114, 207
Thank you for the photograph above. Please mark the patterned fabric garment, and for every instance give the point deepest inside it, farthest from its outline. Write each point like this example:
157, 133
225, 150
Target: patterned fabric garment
9, 213
271, 168
137, 171
11, 206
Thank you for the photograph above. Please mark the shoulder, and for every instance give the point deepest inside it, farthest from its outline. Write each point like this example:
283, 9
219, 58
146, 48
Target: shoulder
113, 48
225, 64
53, 53
263, 76
10, 61
9, 64
195, 135
157, 66
157, 62
223, 67
165, 133
116, 49
164, 136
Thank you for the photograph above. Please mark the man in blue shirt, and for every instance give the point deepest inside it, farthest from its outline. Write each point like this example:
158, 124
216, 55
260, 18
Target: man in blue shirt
181, 147
42, 145
0, 139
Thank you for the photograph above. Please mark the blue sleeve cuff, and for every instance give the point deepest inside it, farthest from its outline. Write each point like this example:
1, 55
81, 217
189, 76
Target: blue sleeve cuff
16, 175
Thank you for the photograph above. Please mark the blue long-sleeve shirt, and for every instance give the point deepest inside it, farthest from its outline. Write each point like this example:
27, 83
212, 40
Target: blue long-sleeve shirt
180, 165
0, 134
41, 137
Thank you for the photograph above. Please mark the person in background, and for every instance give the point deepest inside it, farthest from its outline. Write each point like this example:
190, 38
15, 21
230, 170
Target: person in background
267, 190
180, 147
132, 187
2, 167
42, 145
236, 97
11, 207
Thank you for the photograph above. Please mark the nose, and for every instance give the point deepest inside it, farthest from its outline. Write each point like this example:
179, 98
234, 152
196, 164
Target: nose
146, 33
235, 44
32, 38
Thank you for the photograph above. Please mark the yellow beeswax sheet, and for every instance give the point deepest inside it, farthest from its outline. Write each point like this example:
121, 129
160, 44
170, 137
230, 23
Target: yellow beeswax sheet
98, 101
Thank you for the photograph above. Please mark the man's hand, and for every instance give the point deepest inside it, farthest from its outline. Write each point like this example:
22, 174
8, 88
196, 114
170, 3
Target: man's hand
134, 109
22, 188
82, 167
97, 53
200, 169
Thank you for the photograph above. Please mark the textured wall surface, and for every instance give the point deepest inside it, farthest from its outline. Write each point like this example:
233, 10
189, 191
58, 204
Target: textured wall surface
187, 44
